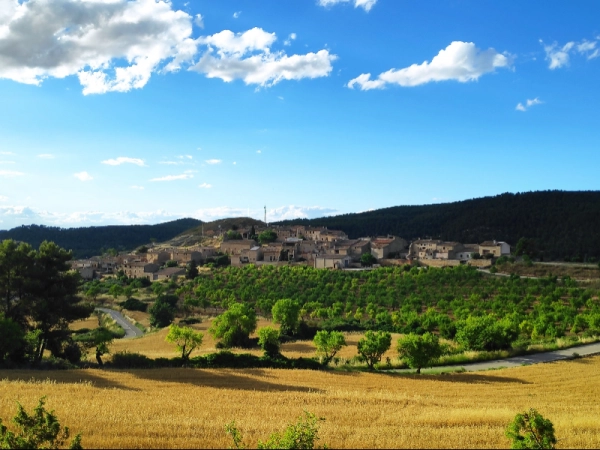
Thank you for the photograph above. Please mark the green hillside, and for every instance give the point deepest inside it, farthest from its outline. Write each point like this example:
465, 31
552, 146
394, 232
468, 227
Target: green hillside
90, 241
562, 224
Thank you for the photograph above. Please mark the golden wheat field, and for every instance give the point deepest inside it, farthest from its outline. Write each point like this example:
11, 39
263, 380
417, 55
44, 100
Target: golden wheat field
189, 407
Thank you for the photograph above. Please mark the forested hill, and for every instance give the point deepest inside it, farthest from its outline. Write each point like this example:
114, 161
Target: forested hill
562, 224
91, 241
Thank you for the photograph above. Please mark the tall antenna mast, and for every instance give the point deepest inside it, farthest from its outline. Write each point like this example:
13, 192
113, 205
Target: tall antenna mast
266, 215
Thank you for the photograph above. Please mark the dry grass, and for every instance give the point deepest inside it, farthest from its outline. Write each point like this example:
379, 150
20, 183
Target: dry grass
189, 407
90, 322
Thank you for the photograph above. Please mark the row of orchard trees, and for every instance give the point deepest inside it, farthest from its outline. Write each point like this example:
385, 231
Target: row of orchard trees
38, 300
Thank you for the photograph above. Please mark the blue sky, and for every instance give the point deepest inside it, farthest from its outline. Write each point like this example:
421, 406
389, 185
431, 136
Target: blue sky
116, 112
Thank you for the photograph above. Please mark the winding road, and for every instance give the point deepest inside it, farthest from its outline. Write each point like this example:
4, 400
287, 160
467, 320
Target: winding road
131, 331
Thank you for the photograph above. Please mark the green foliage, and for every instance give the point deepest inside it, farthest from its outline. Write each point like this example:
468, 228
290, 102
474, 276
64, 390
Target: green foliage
234, 326
485, 333
420, 351
300, 435
185, 339
373, 346
191, 270
267, 237
530, 430
367, 260
133, 304
232, 235
161, 314
12, 339
328, 343
88, 241
287, 313
268, 339
171, 263
39, 430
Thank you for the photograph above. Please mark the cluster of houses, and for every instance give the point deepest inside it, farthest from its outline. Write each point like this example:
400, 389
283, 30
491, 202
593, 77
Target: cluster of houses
318, 247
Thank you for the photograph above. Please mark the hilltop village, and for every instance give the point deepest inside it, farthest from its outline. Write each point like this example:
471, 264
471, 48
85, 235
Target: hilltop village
317, 247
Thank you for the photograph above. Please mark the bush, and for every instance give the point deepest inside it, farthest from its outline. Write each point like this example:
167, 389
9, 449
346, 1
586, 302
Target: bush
485, 333
161, 314
268, 339
530, 430
133, 304
301, 435
39, 430
190, 321
126, 360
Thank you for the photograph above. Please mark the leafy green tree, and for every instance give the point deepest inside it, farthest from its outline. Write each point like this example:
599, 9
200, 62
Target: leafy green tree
328, 343
373, 346
268, 339
192, 270
485, 333
232, 235
115, 291
530, 430
16, 267
161, 314
267, 237
12, 339
367, 260
420, 351
54, 302
39, 430
185, 339
234, 326
287, 313
93, 292
171, 263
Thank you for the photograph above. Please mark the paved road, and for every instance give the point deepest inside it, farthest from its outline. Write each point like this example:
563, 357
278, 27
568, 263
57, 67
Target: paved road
516, 361
131, 331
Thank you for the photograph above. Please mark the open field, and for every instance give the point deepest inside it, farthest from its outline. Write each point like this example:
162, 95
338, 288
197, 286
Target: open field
189, 407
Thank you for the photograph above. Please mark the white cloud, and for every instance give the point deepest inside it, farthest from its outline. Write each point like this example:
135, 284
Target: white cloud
528, 104
236, 14
234, 163
205, 186
213, 161
46, 156
170, 163
3, 198
185, 176
248, 56
83, 176
7, 153
289, 40
138, 188
124, 160
460, 61
560, 56
7, 162
111, 45
199, 20
365, 4
259, 151
10, 173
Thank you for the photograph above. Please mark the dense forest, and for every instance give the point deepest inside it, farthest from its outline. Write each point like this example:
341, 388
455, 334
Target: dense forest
561, 224
90, 241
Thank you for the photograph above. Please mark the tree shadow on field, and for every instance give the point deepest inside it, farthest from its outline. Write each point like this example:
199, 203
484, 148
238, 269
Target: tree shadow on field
75, 376
465, 378
233, 379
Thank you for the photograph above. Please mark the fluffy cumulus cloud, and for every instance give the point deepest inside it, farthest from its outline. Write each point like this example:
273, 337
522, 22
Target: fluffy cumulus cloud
83, 176
124, 160
528, 104
248, 56
365, 4
460, 61
205, 186
110, 45
212, 162
559, 55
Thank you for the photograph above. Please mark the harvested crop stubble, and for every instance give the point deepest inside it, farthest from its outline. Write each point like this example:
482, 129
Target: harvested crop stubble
189, 408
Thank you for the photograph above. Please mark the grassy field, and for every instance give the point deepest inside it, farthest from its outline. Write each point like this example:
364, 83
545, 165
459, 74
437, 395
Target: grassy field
189, 407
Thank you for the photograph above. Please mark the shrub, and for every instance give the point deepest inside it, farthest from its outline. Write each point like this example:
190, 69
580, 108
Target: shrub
301, 435
530, 430
161, 314
485, 333
126, 360
190, 321
133, 304
39, 430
